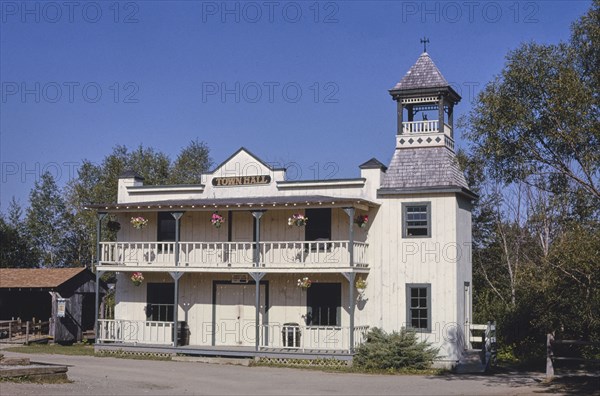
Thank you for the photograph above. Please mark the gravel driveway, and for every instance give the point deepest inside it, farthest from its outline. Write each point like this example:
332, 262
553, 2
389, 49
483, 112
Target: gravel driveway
112, 376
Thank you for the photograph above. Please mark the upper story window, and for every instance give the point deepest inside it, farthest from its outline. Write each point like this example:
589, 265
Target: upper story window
166, 227
319, 224
416, 220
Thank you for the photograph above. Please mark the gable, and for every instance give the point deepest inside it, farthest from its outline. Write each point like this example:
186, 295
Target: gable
242, 163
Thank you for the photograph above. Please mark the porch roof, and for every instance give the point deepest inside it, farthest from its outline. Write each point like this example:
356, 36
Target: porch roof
239, 203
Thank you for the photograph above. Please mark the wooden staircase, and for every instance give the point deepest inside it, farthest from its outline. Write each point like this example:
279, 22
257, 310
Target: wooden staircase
478, 360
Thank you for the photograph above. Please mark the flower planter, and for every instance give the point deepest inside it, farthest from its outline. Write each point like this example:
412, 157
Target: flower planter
361, 221
304, 283
297, 220
139, 222
217, 220
137, 278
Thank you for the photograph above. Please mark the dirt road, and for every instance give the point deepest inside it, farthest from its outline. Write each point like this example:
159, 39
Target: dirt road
111, 376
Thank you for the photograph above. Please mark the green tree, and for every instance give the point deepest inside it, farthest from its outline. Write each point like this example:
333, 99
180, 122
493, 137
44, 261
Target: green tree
47, 223
99, 184
535, 162
539, 120
191, 162
15, 250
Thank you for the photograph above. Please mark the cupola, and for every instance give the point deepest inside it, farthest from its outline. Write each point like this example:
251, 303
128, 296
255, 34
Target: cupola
425, 107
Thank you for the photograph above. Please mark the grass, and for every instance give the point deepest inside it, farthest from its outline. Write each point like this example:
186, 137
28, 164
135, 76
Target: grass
55, 349
134, 356
36, 379
79, 349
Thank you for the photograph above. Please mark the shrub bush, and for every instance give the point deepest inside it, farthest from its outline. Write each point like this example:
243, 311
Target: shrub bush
394, 351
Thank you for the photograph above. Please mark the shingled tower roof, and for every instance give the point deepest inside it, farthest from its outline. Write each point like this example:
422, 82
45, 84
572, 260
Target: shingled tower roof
423, 168
424, 159
423, 74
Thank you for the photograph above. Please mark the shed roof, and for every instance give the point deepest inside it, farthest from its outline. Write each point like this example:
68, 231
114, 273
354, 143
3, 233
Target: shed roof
242, 203
36, 277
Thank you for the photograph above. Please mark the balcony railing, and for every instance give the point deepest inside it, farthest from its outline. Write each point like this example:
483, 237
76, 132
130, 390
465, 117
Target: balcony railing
425, 126
279, 254
135, 331
299, 337
283, 336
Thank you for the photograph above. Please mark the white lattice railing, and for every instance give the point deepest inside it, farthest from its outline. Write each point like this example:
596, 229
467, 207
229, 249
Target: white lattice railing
136, 253
280, 254
135, 331
300, 337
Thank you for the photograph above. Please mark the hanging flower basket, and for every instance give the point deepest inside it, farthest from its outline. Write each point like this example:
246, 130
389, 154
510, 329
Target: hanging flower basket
362, 221
113, 226
137, 278
297, 220
217, 220
360, 284
304, 283
139, 222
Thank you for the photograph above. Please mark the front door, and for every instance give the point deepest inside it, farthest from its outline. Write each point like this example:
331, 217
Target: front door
235, 314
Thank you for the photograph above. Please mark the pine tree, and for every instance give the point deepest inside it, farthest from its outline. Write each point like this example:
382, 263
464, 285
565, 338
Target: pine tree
47, 223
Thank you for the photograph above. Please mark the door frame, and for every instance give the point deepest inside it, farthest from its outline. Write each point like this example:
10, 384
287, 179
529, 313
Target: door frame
215, 283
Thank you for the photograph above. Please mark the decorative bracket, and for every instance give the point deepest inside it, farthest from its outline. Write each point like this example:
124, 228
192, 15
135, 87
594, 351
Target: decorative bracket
176, 275
257, 276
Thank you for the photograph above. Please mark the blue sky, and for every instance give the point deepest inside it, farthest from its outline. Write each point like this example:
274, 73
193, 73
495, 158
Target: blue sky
301, 84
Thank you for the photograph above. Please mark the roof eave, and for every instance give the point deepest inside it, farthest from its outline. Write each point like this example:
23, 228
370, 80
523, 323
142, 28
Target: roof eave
427, 190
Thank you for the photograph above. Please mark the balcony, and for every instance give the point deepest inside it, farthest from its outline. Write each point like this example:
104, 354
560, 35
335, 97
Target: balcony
425, 126
235, 255
424, 134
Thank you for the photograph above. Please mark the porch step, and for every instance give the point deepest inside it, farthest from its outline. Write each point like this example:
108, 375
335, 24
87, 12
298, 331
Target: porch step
470, 362
213, 360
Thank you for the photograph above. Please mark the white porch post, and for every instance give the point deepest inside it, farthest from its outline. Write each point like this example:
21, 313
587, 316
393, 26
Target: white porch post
257, 215
257, 276
350, 276
96, 329
350, 213
99, 217
177, 217
176, 276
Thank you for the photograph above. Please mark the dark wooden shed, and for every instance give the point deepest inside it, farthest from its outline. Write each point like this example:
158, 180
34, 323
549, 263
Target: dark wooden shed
64, 296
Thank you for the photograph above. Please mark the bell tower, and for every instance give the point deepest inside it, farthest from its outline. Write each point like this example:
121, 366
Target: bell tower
424, 93
424, 158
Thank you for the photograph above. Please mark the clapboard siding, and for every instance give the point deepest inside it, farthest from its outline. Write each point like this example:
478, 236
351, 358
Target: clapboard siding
196, 227
397, 261
287, 302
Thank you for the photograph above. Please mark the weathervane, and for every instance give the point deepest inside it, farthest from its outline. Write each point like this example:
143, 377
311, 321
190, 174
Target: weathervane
424, 41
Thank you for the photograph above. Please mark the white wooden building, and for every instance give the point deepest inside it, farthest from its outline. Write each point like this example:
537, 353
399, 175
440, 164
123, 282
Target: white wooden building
234, 289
